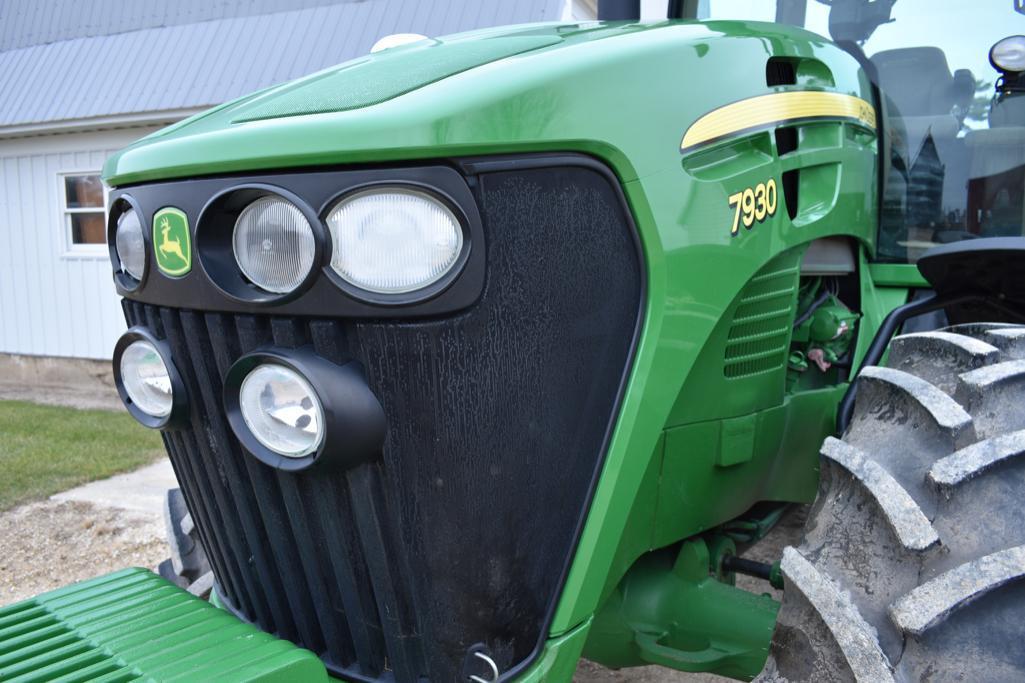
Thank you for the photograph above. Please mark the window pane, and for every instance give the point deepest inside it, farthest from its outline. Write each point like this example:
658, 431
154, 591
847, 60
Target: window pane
84, 191
88, 228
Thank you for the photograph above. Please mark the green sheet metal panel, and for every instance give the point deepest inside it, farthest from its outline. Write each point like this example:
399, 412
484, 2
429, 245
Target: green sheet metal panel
133, 625
372, 81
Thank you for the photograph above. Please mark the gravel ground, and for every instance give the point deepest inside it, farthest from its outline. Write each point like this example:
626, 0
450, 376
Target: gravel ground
589, 672
51, 544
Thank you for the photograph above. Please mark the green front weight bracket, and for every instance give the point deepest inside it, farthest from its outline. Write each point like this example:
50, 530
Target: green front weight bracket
134, 625
673, 611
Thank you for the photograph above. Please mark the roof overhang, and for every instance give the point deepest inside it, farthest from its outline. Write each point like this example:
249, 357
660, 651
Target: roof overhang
115, 121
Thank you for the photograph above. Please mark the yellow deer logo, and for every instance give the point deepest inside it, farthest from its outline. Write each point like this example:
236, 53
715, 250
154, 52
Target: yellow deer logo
170, 246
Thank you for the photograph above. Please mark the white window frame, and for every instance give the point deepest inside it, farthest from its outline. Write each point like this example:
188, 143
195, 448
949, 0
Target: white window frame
71, 249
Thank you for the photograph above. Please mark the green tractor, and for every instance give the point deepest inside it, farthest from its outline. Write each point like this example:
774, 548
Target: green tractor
479, 355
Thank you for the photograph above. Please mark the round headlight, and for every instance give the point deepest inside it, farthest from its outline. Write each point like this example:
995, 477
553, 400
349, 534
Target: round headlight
274, 244
128, 241
146, 379
282, 410
393, 240
1009, 54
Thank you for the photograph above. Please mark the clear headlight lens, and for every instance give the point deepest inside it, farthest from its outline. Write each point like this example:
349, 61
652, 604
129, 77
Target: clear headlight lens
274, 244
130, 246
146, 379
282, 410
1009, 54
393, 240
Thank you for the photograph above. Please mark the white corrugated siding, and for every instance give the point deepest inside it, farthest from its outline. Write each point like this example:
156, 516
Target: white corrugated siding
208, 62
53, 303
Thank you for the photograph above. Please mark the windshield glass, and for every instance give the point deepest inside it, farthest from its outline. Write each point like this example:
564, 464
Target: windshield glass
954, 145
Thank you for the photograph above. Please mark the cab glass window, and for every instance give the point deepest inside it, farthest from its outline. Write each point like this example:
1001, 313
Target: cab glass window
953, 145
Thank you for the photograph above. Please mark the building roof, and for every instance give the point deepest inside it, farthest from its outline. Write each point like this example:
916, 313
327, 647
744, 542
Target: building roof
71, 59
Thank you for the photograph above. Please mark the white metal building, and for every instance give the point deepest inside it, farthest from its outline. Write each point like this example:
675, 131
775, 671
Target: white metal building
80, 79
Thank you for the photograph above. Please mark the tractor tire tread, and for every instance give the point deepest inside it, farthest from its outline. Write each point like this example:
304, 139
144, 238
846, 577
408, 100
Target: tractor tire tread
916, 541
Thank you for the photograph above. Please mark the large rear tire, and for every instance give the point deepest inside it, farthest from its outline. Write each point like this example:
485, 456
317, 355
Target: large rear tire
911, 564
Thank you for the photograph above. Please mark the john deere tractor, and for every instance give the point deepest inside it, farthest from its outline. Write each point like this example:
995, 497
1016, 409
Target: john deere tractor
478, 355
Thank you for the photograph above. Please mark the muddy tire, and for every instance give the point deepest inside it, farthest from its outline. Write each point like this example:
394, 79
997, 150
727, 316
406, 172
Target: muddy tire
913, 557
187, 566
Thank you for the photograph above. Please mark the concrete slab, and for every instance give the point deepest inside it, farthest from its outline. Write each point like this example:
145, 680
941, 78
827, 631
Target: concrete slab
141, 491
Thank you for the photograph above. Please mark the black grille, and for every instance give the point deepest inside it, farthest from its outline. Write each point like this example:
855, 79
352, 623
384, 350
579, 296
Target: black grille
497, 418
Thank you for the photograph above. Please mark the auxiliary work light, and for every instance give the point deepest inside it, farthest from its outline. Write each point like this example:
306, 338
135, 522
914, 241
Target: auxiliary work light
282, 410
393, 240
147, 380
1008, 54
291, 409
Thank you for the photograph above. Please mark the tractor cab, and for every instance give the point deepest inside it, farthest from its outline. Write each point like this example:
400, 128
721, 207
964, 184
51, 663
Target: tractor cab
952, 116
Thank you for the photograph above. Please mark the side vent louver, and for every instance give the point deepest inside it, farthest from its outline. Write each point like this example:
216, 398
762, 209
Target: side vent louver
759, 336
780, 71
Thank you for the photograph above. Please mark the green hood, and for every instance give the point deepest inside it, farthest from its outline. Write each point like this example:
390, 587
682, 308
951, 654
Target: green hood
622, 92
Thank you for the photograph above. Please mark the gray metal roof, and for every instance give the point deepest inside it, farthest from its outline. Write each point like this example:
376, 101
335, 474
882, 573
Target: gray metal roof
67, 60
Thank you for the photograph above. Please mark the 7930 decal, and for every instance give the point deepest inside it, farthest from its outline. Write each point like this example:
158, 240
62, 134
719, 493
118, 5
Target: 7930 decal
753, 204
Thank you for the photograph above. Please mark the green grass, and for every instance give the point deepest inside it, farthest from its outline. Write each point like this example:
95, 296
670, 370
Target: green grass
45, 449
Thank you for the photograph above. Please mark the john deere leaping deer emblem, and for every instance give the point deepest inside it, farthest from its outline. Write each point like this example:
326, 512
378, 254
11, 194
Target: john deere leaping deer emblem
171, 245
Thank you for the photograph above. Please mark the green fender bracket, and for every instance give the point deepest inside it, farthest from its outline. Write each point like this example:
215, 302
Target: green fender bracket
134, 625
671, 609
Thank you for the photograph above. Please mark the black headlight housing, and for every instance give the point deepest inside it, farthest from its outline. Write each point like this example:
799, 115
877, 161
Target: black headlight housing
353, 420
178, 417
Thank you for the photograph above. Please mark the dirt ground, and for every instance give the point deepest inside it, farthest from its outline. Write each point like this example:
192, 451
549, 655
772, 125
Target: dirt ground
49, 544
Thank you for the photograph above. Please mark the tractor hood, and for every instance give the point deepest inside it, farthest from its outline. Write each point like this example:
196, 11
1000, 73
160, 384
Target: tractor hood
622, 92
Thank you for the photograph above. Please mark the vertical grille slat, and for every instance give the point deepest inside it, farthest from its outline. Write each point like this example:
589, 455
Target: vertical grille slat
336, 631
137, 314
288, 333
214, 480
228, 527
202, 516
348, 565
351, 579
253, 332
206, 366
401, 636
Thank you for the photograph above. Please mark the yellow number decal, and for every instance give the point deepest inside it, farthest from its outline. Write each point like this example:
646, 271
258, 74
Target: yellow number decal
735, 200
753, 204
747, 205
760, 206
